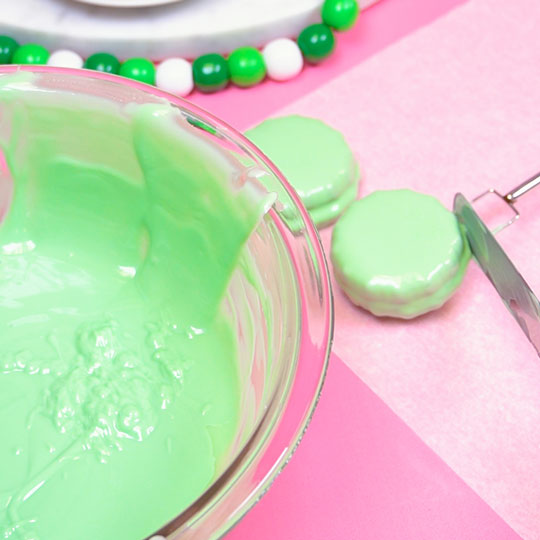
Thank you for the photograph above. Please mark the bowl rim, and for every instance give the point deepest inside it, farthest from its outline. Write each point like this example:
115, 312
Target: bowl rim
326, 299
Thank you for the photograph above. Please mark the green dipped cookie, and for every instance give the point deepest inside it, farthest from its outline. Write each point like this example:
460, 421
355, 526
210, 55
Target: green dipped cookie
399, 253
315, 159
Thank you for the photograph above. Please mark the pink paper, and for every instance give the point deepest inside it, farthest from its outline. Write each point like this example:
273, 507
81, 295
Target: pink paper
382, 24
361, 474
454, 107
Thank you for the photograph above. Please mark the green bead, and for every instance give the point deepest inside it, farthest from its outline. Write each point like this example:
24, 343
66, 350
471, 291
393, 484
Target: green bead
316, 42
105, 62
210, 72
30, 54
340, 14
246, 66
8, 46
139, 69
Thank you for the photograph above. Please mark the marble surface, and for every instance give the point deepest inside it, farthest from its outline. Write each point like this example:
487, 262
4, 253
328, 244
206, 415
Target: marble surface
187, 29
127, 3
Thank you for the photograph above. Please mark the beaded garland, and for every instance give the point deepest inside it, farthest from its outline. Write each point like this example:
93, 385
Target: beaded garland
281, 59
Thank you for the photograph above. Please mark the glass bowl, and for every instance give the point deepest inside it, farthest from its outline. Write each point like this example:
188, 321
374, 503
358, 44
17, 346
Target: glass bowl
279, 300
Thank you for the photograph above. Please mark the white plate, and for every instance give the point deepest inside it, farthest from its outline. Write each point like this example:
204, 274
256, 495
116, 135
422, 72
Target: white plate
127, 3
175, 29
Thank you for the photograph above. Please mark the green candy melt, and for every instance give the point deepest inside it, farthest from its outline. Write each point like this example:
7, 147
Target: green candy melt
119, 389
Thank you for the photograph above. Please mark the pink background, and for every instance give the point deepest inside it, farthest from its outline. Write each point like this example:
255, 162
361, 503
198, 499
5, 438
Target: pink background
427, 428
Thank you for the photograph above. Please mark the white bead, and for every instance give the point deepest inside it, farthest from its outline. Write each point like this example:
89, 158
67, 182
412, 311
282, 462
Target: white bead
65, 58
283, 59
175, 75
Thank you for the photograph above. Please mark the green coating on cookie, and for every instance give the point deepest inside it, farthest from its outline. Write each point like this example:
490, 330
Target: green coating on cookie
399, 253
325, 214
315, 159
